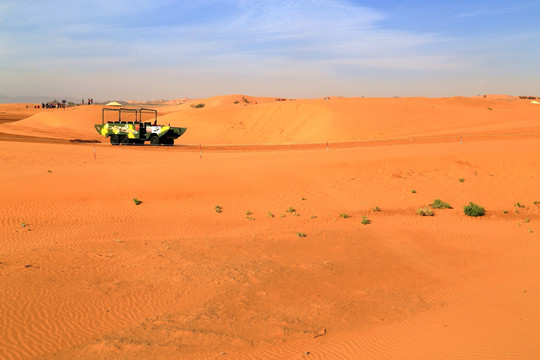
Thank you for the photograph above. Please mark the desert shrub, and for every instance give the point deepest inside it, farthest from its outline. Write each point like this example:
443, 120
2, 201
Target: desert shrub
218, 209
137, 201
290, 210
439, 204
345, 215
198, 106
473, 210
300, 234
365, 220
425, 211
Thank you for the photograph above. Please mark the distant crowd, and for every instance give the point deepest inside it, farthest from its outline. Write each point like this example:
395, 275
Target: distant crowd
62, 105
529, 97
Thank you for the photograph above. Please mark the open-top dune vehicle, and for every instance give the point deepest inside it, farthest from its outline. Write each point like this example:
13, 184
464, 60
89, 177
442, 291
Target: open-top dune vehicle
131, 128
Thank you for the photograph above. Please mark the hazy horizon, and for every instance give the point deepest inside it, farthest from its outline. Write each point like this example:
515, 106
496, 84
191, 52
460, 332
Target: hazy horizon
162, 49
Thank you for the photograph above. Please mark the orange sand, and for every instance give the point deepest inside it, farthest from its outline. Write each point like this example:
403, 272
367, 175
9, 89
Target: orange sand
87, 274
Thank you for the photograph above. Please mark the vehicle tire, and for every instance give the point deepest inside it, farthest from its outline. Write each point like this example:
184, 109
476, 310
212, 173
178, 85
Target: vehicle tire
124, 140
168, 141
114, 139
155, 140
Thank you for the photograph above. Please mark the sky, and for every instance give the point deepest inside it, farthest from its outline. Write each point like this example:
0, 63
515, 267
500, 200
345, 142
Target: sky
165, 49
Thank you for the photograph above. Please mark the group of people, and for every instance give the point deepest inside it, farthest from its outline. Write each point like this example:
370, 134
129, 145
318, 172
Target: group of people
51, 105
90, 101
529, 97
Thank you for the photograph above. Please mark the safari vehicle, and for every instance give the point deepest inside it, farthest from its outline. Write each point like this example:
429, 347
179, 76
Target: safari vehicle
131, 128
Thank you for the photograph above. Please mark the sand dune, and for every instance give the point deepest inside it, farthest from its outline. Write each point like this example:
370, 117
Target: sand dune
265, 121
88, 274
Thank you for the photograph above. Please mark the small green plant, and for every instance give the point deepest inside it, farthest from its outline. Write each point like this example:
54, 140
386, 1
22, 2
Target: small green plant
295, 214
376, 208
461, 180
290, 210
49, 171
236, 101
425, 211
23, 224
527, 220
530, 231
301, 234
248, 213
250, 218
137, 201
505, 211
489, 108
303, 198
270, 215
365, 220
198, 106
282, 215
518, 205
516, 211
413, 191
313, 217
439, 204
473, 210
345, 215
536, 202
218, 209
245, 100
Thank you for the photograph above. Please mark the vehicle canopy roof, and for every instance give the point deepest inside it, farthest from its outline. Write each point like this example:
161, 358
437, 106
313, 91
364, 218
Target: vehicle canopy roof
135, 115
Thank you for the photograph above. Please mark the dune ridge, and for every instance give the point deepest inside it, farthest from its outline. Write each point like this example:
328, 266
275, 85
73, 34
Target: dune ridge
265, 121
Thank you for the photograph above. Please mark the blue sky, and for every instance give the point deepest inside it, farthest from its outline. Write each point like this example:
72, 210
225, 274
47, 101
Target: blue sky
156, 49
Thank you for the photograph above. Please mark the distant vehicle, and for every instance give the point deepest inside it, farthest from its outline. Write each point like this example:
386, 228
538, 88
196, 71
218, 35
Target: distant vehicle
132, 129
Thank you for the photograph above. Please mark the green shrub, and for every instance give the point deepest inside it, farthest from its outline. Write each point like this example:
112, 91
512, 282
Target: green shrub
198, 106
218, 209
365, 220
300, 234
137, 201
473, 210
439, 204
290, 210
345, 215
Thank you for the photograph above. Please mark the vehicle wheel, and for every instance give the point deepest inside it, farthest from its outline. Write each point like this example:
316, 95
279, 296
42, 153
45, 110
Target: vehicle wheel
114, 139
124, 140
168, 141
155, 140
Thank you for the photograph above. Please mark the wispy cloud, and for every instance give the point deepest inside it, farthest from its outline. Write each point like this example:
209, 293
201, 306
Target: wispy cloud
195, 43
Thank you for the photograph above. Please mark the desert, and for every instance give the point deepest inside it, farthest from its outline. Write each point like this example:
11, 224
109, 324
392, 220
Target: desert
273, 230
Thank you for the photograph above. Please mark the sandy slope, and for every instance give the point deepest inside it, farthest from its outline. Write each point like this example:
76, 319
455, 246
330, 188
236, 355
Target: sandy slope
265, 121
88, 274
